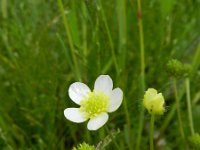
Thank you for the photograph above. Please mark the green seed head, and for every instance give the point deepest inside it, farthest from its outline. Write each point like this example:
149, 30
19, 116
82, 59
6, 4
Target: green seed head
177, 68
84, 146
94, 104
194, 141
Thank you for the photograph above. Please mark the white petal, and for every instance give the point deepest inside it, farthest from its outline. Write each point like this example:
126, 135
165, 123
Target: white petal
97, 122
116, 99
78, 91
74, 115
104, 84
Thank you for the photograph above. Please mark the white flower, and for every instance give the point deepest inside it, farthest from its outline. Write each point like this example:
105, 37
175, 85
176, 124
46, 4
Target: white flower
94, 105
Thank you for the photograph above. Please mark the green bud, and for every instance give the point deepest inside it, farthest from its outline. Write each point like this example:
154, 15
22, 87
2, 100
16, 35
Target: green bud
178, 69
194, 141
84, 146
175, 68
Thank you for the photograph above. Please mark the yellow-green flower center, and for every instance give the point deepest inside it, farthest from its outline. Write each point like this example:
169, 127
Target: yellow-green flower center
94, 104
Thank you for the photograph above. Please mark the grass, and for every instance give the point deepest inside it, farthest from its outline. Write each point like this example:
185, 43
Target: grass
46, 46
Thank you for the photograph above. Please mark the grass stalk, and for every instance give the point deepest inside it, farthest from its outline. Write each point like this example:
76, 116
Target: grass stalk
4, 9
122, 31
84, 32
187, 85
195, 65
69, 36
142, 62
109, 38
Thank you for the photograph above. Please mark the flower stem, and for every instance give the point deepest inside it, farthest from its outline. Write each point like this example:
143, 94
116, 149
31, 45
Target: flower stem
112, 138
178, 109
152, 131
142, 62
187, 84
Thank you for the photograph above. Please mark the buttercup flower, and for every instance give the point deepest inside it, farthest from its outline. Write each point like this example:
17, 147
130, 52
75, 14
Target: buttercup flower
154, 102
94, 105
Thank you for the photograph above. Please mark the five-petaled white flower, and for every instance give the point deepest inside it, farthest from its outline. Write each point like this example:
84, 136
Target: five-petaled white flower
94, 105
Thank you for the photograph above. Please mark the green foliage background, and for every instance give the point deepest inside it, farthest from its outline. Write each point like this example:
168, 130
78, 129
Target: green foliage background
38, 62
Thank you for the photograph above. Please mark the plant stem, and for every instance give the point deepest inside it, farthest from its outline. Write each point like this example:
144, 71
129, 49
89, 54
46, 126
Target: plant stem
140, 24
122, 49
111, 136
109, 38
178, 109
69, 36
4, 8
195, 65
152, 131
142, 62
187, 84
84, 32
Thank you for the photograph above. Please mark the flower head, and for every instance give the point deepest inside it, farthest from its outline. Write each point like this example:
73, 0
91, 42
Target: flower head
194, 141
94, 105
154, 102
84, 146
177, 68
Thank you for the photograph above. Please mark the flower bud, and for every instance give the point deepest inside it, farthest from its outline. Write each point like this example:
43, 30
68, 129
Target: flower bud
194, 141
177, 68
154, 102
84, 146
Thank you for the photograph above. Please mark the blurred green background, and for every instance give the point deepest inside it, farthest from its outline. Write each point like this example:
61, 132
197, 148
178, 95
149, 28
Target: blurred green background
41, 55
